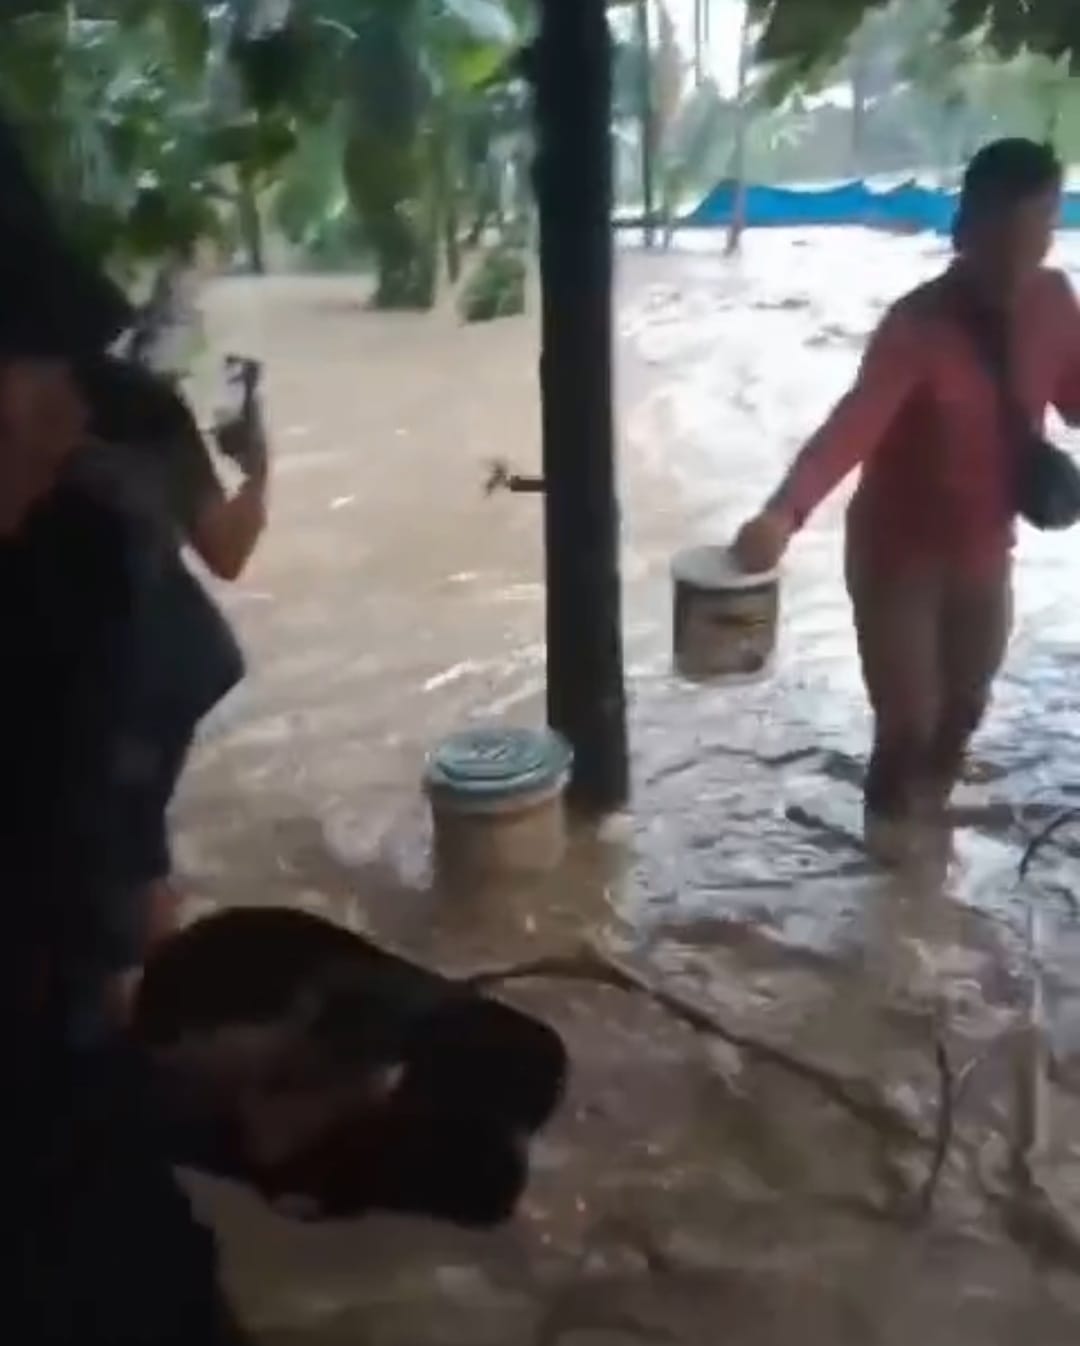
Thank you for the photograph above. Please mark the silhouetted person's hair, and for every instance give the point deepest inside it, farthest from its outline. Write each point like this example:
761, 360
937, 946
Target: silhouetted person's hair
1000, 176
276, 965
479, 1076
54, 300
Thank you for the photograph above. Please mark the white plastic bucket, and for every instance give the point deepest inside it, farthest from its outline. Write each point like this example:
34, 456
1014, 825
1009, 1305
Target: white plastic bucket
725, 621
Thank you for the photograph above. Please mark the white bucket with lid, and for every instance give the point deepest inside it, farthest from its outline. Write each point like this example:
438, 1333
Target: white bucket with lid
497, 800
725, 621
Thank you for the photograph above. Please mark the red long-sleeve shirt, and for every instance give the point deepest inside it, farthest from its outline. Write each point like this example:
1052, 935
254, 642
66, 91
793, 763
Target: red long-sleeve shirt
924, 420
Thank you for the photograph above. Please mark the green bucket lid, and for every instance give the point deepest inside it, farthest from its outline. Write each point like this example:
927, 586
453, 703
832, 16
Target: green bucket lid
493, 763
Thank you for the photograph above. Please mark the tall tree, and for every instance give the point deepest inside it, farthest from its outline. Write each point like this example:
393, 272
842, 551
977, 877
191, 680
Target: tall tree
416, 73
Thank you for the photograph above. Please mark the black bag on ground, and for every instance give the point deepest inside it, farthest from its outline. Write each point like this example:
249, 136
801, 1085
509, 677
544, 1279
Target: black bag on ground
1046, 481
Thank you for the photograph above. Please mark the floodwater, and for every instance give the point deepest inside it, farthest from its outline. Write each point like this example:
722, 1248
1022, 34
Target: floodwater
886, 1151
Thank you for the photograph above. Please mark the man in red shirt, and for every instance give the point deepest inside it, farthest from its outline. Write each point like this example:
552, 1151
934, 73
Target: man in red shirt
930, 528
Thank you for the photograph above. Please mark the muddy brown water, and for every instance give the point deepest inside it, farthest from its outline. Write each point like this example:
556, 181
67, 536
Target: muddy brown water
692, 1191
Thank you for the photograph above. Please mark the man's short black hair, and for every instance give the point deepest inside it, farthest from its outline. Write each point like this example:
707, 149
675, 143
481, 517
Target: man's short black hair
1001, 175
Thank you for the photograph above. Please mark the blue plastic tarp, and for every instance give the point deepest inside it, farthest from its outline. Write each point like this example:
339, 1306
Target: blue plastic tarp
913, 208
1070, 211
780, 207
909, 207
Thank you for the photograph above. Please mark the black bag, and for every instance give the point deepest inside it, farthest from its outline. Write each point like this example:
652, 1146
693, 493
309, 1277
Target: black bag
1046, 481
195, 657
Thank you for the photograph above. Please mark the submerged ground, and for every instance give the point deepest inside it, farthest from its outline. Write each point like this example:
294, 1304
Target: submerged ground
693, 1191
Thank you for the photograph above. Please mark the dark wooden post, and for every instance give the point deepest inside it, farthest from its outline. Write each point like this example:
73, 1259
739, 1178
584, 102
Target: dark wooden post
571, 68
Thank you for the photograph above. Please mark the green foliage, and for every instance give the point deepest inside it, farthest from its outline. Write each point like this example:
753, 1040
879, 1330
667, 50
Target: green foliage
428, 100
136, 119
496, 289
311, 208
924, 89
398, 126
697, 147
157, 122
804, 37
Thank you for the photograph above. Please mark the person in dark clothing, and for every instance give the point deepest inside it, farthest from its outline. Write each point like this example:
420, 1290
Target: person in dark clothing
331, 1077
66, 596
107, 1251
345, 1081
337, 1078
149, 462
65, 680
154, 489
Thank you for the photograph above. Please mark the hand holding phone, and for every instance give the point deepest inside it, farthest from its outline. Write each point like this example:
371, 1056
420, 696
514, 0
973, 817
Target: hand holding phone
239, 428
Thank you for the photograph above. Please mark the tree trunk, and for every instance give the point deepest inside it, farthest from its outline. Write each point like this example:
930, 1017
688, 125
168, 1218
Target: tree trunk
858, 131
387, 169
858, 124
586, 693
446, 205
737, 224
407, 262
522, 205
251, 226
648, 120
701, 37
476, 231
452, 241
859, 65
1054, 99
399, 219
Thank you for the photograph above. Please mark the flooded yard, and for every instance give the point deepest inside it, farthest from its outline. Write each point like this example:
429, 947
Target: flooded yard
815, 1139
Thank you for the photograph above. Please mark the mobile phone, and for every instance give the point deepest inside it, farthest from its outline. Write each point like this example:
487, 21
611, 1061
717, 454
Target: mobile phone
238, 422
